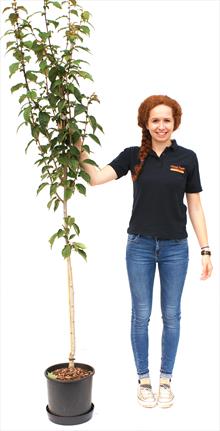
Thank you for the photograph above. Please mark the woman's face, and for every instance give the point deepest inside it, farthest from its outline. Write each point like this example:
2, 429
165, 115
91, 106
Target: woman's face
161, 123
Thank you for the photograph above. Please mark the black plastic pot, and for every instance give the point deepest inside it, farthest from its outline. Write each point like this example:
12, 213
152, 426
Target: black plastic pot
69, 402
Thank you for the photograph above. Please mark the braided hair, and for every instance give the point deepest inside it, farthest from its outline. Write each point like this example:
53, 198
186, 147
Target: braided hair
143, 116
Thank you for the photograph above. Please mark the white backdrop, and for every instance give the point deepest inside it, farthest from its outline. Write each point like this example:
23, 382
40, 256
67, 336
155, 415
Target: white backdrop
139, 48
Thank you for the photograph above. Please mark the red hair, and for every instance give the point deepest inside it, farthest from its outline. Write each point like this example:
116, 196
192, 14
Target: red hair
143, 116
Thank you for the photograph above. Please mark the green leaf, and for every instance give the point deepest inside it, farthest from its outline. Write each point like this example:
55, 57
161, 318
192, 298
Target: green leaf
85, 75
57, 4
77, 94
75, 137
44, 119
79, 109
13, 68
61, 105
69, 221
27, 113
31, 76
41, 187
85, 15
93, 122
52, 239
74, 151
54, 86
50, 202
28, 44
76, 228
79, 245
20, 125
60, 233
53, 188
73, 164
44, 36
46, 167
90, 162
85, 176
84, 29
8, 44
55, 23
35, 131
52, 100
22, 8
71, 174
32, 94
6, 8
100, 128
63, 160
13, 17
27, 58
82, 253
43, 66
66, 252
74, 90
44, 148
51, 376
70, 88
67, 193
29, 143
18, 55
16, 87
22, 98
86, 148
53, 74
81, 188
56, 204
94, 137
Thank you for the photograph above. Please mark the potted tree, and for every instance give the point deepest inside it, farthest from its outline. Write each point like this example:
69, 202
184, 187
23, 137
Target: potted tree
49, 59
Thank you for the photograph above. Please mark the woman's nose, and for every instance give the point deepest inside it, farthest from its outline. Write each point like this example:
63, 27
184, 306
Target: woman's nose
161, 125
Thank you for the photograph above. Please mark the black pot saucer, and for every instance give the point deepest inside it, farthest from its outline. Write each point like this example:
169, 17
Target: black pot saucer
70, 420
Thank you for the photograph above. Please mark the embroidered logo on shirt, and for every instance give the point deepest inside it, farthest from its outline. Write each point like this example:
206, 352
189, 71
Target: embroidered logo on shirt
177, 168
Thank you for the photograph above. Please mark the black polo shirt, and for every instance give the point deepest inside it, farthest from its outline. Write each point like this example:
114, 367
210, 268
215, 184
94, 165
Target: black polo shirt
158, 208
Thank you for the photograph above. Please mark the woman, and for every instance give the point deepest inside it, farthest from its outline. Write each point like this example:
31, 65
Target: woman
162, 172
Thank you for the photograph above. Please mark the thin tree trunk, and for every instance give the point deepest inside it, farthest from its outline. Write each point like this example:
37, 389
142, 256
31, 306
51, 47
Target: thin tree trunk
71, 313
71, 301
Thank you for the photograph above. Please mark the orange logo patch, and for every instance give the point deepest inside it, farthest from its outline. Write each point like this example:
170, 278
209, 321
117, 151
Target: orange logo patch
177, 168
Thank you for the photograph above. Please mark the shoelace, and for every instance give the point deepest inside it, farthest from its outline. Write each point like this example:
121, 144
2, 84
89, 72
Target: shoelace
165, 391
145, 386
165, 386
146, 390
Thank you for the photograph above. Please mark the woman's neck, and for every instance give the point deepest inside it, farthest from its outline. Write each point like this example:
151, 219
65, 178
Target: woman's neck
159, 147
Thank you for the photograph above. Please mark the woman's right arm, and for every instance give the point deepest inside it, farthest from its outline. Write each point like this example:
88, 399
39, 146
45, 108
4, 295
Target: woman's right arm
97, 176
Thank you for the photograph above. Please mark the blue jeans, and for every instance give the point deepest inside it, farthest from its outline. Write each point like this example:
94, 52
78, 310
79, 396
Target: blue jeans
142, 254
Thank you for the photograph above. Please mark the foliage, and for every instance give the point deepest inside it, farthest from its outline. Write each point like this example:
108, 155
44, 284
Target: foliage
50, 65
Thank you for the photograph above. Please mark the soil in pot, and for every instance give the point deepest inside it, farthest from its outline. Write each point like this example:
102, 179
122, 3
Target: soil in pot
70, 373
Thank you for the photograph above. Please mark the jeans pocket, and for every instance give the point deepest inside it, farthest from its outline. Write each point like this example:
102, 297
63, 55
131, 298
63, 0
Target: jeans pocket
132, 237
181, 241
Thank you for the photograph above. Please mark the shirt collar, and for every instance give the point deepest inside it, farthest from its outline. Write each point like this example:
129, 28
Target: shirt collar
172, 147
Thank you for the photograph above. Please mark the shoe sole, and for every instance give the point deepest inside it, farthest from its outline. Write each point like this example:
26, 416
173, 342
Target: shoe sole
164, 405
142, 404
147, 406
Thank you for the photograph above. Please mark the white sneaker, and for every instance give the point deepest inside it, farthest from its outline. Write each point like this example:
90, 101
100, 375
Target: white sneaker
165, 396
145, 395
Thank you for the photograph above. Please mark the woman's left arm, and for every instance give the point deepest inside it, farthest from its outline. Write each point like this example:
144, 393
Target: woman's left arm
197, 218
